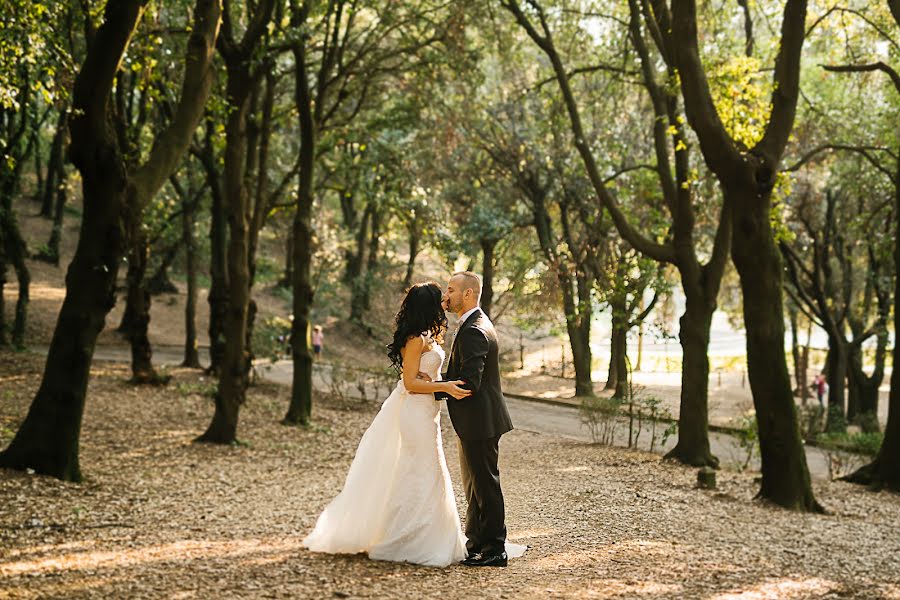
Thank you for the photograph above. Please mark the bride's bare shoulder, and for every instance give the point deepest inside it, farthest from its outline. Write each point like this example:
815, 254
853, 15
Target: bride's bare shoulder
415, 342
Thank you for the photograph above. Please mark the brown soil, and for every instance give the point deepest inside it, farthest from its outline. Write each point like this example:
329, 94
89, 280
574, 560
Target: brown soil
161, 517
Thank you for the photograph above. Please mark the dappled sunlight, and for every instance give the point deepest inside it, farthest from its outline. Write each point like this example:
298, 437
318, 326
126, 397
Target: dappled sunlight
576, 469
526, 534
781, 588
181, 550
890, 591
605, 588
36, 291
626, 552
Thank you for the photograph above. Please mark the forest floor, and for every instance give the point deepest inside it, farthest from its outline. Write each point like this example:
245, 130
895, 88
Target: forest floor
161, 517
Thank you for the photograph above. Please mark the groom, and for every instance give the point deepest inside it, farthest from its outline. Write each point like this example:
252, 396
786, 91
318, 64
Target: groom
479, 420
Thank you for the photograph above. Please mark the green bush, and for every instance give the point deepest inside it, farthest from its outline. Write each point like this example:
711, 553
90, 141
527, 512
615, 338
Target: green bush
857, 443
270, 337
600, 415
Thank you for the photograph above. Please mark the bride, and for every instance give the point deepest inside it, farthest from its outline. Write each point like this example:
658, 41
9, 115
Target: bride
397, 503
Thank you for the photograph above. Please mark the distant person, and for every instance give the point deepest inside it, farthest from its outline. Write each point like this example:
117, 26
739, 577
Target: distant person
821, 386
318, 338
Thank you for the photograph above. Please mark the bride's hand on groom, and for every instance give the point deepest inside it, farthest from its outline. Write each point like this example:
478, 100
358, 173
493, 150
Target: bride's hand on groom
453, 388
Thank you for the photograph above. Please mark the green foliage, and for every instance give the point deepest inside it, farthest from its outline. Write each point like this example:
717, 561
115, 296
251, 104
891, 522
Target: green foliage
858, 442
747, 432
206, 387
270, 338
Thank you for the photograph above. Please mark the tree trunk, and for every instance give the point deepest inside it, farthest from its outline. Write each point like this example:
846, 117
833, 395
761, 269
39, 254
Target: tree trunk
159, 282
865, 388
616, 379
288, 277
51, 254
300, 408
487, 276
235, 367
413, 253
56, 165
795, 348
138, 305
16, 252
191, 355
579, 330
372, 259
218, 286
48, 439
836, 374
354, 269
3, 336
693, 416
785, 476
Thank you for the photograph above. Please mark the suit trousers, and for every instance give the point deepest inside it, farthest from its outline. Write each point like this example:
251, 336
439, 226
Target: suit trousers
485, 515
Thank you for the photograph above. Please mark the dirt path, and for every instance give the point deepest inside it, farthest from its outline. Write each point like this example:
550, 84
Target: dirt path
160, 517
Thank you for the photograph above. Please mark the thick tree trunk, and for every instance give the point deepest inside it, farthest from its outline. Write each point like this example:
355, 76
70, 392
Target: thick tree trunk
235, 367
487, 276
693, 416
300, 408
785, 476
48, 439
218, 287
191, 355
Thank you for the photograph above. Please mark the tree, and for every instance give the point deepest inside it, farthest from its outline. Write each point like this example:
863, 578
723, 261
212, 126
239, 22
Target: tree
747, 174
884, 471
344, 55
48, 439
242, 72
700, 281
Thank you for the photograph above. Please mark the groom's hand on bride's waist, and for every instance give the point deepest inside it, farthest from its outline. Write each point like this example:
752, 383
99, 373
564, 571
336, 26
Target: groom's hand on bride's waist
424, 376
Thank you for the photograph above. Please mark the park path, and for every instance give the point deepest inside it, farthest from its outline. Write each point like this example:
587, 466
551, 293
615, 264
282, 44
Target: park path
541, 415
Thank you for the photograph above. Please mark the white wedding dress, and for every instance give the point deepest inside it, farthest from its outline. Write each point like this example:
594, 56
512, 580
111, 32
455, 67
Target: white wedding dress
397, 503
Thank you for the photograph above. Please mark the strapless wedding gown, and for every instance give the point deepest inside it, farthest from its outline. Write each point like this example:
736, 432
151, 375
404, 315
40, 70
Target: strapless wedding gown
397, 503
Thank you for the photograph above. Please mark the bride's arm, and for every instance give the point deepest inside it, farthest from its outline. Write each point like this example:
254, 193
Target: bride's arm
412, 353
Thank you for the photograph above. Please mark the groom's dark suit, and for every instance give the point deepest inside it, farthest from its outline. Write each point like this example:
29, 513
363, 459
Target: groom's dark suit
479, 421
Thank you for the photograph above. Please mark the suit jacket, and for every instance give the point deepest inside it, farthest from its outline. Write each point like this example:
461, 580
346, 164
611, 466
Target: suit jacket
475, 359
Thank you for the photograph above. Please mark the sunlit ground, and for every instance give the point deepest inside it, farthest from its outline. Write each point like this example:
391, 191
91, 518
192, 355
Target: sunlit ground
160, 517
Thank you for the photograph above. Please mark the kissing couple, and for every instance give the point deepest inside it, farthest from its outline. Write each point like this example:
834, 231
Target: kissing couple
397, 503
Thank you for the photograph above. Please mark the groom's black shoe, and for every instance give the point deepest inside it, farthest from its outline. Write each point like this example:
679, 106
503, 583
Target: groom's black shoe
487, 560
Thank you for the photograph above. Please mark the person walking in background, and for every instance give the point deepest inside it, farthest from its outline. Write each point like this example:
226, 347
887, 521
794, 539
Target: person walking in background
318, 338
819, 384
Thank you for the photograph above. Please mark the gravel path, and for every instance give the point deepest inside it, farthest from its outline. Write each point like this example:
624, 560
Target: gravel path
160, 517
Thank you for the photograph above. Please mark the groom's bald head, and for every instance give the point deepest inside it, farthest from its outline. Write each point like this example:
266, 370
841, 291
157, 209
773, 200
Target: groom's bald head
463, 292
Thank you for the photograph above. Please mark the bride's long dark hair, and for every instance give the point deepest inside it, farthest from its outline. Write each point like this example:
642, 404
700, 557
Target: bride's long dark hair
420, 313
